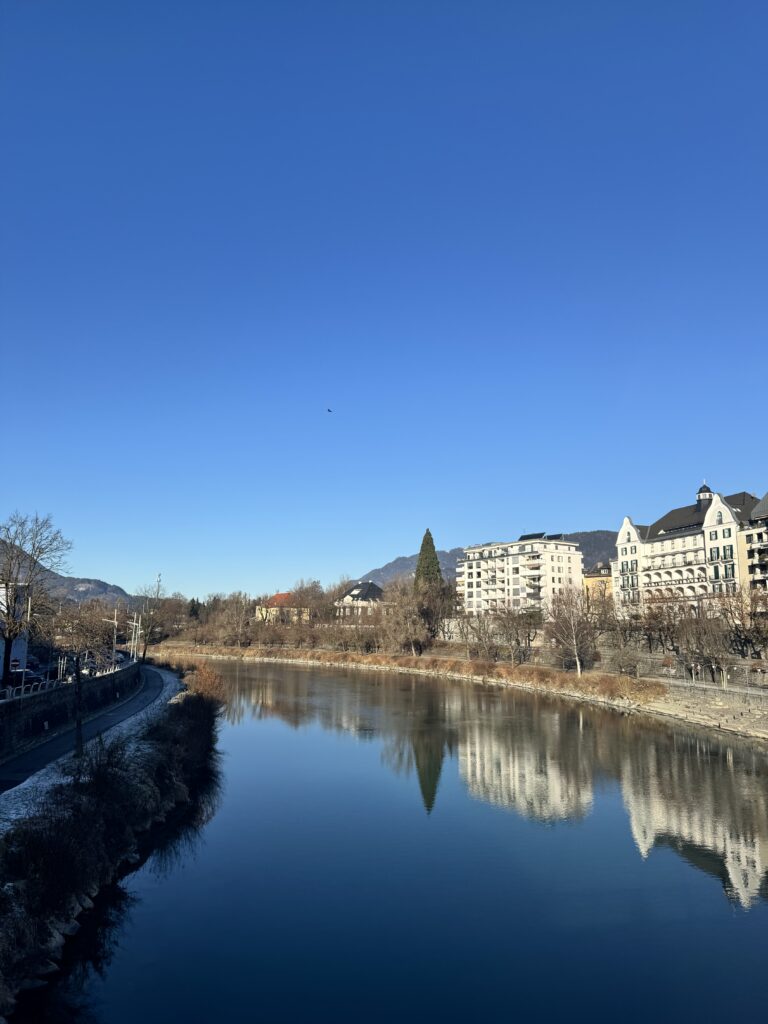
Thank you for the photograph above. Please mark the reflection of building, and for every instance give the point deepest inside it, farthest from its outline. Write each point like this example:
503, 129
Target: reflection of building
705, 799
526, 573
516, 772
690, 552
683, 812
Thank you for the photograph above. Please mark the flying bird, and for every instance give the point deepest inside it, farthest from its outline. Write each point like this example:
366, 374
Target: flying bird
329, 410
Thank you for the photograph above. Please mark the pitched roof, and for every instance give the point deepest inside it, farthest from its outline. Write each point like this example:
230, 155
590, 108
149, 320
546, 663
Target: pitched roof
280, 600
363, 591
691, 517
760, 511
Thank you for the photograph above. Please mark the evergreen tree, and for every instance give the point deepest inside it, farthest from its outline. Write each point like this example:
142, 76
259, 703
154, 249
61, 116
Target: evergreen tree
428, 574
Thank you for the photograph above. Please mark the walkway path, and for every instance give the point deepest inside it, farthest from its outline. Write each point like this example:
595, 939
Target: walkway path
19, 768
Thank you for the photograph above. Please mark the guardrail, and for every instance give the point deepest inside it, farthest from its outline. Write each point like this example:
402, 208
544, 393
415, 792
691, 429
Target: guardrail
10, 693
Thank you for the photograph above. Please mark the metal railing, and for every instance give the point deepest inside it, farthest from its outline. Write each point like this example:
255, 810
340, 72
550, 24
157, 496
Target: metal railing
10, 693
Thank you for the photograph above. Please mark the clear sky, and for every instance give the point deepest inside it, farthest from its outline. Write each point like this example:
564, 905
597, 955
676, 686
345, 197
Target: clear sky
518, 248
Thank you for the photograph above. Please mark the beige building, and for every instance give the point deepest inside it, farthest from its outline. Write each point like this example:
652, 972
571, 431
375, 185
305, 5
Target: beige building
598, 582
754, 537
526, 573
689, 552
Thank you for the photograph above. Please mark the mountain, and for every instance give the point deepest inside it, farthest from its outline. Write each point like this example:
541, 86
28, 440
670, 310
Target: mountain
596, 546
405, 565
74, 588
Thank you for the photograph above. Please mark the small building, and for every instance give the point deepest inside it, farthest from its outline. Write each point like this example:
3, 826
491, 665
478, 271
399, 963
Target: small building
281, 608
362, 598
598, 581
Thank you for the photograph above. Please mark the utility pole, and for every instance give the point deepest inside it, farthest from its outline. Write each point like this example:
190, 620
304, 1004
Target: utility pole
113, 622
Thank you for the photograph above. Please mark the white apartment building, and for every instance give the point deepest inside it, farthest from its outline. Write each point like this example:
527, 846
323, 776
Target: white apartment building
690, 552
526, 573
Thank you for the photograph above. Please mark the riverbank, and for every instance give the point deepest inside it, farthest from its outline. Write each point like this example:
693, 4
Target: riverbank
72, 830
716, 709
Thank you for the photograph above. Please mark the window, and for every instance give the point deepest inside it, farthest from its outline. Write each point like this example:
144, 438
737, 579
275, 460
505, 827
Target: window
729, 573
629, 537
714, 554
728, 552
715, 572
713, 534
624, 566
749, 538
633, 566
623, 551
633, 550
727, 532
719, 519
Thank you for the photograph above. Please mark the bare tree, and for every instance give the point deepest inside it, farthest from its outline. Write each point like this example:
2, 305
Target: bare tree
404, 625
745, 612
30, 549
703, 639
151, 612
517, 629
237, 615
574, 624
80, 630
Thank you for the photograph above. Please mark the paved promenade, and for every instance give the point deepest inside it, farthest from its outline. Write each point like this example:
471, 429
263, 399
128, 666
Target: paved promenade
19, 768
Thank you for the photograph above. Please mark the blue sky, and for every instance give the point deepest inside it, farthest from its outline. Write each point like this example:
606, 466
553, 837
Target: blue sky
518, 248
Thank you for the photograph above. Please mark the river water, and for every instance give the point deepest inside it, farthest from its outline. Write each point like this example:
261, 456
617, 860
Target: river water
392, 848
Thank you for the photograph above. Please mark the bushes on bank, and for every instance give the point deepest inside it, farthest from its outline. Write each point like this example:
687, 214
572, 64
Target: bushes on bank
602, 685
86, 826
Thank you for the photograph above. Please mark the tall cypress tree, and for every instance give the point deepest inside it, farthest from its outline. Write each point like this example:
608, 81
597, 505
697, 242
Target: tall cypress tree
428, 572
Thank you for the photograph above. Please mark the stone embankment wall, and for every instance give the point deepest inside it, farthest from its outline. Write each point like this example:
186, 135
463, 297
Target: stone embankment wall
86, 824
28, 721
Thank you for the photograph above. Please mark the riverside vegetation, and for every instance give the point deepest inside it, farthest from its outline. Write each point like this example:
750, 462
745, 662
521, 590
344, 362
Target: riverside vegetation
92, 822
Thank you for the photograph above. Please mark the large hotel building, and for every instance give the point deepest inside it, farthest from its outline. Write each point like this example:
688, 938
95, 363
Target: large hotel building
526, 573
710, 547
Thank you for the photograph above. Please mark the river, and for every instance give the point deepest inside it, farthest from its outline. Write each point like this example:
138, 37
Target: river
393, 848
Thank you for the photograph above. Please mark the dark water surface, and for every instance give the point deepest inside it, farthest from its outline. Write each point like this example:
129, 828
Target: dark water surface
388, 848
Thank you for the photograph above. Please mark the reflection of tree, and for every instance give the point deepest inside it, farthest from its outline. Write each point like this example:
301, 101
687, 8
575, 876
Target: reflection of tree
540, 757
90, 952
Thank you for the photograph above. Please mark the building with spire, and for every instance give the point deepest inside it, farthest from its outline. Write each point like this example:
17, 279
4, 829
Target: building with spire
690, 552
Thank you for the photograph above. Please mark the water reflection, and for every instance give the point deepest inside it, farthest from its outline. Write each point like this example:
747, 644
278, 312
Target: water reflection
90, 953
705, 798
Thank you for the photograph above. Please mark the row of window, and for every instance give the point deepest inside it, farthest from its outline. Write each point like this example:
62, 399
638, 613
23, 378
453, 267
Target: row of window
714, 553
728, 572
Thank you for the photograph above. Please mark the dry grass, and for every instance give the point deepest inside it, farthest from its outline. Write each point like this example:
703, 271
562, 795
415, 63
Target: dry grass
596, 685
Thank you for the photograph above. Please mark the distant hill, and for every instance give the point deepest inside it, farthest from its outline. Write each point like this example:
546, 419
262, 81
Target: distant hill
405, 565
596, 546
74, 588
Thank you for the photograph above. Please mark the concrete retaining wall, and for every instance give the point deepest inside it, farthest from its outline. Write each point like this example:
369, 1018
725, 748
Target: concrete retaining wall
30, 720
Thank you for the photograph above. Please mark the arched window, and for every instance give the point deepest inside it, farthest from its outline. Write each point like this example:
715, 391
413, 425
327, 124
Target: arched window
719, 519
